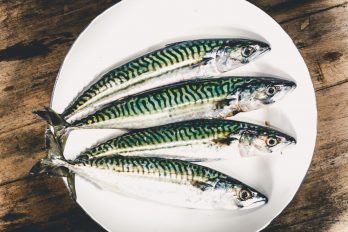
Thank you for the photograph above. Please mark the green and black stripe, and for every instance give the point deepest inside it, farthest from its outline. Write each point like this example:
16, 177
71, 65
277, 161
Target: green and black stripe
218, 131
172, 57
176, 170
190, 92
183, 131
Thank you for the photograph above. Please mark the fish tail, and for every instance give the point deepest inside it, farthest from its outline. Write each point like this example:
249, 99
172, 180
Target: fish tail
62, 135
51, 117
61, 127
55, 164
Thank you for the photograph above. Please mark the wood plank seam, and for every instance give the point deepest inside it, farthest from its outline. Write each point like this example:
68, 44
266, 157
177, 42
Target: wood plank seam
313, 13
331, 86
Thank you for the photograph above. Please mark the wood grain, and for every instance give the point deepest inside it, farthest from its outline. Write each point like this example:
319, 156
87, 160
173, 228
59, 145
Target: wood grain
39, 204
35, 36
287, 10
322, 201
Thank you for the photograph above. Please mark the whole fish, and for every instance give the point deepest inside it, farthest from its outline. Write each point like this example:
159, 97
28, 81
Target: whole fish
173, 63
199, 138
172, 182
199, 99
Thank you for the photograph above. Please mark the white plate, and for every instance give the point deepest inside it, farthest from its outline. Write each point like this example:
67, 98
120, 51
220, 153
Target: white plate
135, 26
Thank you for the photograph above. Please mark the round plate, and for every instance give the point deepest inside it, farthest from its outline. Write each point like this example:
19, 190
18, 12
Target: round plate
134, 27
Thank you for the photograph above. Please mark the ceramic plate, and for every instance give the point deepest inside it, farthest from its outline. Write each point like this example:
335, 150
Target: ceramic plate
134, 27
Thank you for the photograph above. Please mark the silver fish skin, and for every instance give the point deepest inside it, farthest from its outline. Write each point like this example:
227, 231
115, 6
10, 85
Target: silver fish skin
172, 182
198, 140
187, 60
199, 99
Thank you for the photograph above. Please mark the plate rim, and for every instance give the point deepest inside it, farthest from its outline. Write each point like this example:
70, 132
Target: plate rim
122, 2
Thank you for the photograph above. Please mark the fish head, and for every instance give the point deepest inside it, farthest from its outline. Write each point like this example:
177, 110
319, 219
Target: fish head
235, 53
237, 194
247, 197
258, 92
262, 140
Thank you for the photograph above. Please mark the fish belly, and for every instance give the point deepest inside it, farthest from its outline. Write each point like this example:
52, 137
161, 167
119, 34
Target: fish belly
170, 115
170, 190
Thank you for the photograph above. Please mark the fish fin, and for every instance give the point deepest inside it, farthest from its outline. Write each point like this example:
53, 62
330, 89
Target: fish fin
52, 146
54, 119
71, 185
51, 117
175, 43
224, 141
222, 103
229, 106
62, 136
48, 164
45, 167
61, 127
204, 61
201, 185
54, 163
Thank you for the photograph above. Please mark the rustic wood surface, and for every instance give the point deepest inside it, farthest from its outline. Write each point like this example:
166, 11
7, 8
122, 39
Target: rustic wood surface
35, 36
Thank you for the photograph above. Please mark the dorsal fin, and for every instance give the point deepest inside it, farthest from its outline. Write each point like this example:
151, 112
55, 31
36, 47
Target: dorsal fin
176, 43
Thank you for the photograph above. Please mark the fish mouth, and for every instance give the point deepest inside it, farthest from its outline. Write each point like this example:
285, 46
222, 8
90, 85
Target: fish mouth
287, 139
291, 141
259, 203
293, 86
261, 199
289, 85
255, 204
287, 89
264, 47
258, 200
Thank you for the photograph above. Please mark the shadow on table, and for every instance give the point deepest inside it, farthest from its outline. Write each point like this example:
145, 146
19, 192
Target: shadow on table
36, 36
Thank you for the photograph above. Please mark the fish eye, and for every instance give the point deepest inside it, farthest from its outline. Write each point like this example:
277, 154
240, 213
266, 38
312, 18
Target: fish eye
248, 51
271, 141
245, 194
270, 91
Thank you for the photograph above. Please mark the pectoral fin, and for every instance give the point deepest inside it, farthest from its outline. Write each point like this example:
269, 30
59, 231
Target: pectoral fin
224, 141
176, 43
223, 103
204, 61
201, 185
71, 185
228, 106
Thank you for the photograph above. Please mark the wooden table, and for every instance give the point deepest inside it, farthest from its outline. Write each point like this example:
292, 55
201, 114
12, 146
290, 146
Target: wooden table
35, 36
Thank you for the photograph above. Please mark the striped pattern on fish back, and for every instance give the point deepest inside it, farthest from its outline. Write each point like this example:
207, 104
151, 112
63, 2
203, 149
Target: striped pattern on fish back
184, 131
187, 93
175, 170
175, 56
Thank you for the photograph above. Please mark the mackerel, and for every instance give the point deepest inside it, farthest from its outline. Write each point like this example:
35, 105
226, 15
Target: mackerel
173, 182
173, 63
200, 99
199, 140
